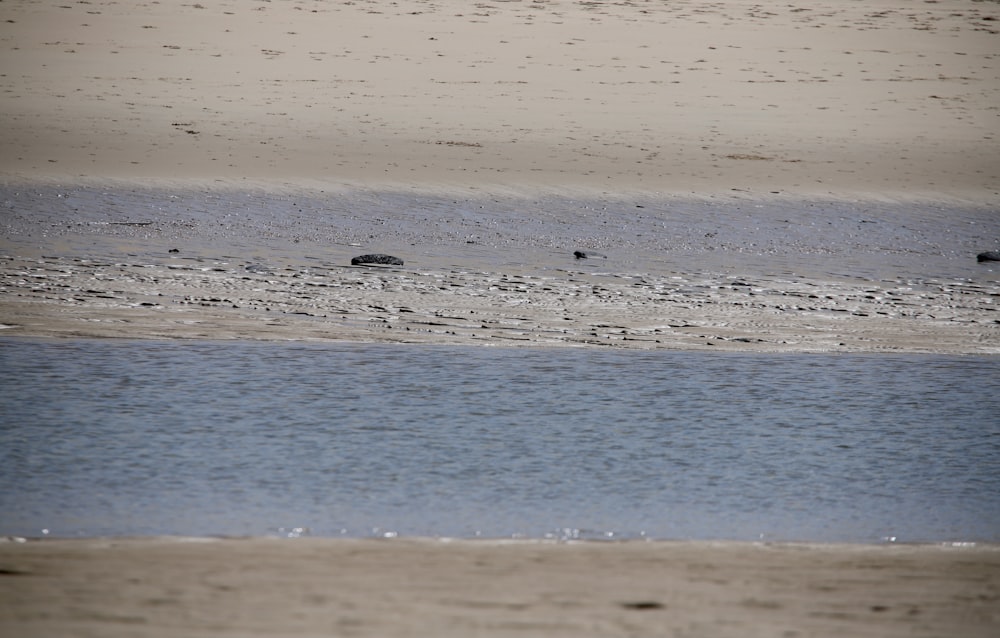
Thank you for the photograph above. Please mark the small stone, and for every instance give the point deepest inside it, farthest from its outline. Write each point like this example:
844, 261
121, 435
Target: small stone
377, 259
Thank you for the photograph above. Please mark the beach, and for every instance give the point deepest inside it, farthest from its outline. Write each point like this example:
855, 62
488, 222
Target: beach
155, 158
880, 98
682, 274
738, 177
307, 587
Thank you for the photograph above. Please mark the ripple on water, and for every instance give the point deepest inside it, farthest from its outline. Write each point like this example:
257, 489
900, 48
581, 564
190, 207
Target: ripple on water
195, 438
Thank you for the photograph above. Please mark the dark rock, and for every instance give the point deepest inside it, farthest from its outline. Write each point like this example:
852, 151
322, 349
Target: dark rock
174, 250
990, 255
643, 605
377, 259
579, 254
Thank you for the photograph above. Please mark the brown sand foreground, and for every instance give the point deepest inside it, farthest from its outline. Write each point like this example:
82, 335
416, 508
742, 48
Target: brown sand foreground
333, 587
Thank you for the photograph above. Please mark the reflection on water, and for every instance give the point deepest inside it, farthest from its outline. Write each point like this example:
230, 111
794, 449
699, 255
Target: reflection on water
142, 437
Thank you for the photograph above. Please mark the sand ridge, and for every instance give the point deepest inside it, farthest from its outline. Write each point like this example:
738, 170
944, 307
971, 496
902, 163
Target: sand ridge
213, 299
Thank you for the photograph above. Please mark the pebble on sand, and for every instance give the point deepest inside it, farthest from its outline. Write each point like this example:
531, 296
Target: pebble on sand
377, 259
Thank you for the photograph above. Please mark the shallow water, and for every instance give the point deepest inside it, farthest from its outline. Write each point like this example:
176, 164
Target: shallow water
729, 235
233, 438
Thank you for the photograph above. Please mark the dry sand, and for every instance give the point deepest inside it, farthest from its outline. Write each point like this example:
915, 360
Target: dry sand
831, 97
305, 587
879, 101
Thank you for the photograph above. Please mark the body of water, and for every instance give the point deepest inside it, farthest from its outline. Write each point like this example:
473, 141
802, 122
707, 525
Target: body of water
238, 438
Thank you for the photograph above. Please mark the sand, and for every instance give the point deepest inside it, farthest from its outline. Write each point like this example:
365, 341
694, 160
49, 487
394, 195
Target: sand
207, 170
334, 587
851, 104
499, 271
831, 97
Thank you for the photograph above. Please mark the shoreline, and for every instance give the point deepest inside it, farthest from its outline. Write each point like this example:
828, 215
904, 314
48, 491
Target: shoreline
667, 273
292, 185
304, 535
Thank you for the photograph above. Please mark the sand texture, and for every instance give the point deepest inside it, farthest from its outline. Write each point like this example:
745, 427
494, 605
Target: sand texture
830, 97
538, 105
212, 299
724, 274
304, 587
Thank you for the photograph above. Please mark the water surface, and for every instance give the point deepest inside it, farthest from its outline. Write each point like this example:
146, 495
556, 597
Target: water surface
240, 438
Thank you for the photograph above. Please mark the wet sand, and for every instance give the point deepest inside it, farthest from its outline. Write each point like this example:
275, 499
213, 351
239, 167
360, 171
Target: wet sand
305, 587
728, 273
